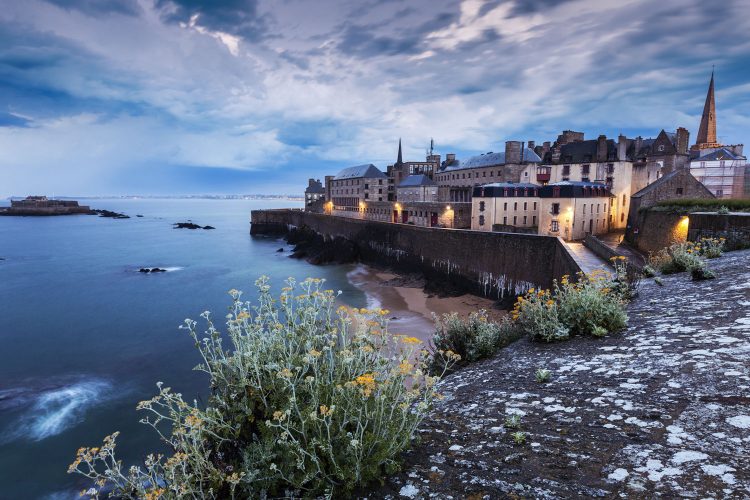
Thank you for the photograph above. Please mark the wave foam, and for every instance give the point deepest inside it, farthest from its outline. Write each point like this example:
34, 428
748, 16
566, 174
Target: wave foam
55, 410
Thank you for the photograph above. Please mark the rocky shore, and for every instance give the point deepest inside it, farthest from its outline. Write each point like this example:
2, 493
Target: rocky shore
660, 410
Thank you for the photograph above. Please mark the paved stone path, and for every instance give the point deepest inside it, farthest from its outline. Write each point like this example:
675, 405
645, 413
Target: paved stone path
586, 259
660, 410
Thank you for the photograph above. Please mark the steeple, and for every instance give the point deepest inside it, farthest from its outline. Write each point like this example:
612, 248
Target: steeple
399, 161
707, 131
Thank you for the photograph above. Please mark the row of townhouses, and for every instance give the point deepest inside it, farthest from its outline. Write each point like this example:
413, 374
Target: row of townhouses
569, 188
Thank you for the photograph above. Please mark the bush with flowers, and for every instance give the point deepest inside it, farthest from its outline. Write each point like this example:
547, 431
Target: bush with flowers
470, 339
687, 256
592, 305
305, 400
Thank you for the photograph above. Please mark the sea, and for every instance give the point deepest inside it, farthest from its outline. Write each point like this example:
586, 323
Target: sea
84, 335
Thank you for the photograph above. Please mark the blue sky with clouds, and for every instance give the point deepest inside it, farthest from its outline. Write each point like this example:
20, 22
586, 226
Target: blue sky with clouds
255, 96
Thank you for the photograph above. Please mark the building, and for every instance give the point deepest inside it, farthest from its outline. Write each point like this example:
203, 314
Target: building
672, 186
572, 210
569, 209
505, 207
41, 205
418, 187
400, 170
315, 196
456, 179
352, 188
721, 168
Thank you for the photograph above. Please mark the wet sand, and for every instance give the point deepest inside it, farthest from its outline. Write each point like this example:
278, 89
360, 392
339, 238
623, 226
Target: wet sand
411, 309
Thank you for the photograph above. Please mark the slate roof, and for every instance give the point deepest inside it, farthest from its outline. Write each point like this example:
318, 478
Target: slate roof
497, 189
658, 182
574, 189
585, 151
368, 170
720, 154
488, 160
417, 180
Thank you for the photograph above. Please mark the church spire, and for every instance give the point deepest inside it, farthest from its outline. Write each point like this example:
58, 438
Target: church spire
399, 161
707, 131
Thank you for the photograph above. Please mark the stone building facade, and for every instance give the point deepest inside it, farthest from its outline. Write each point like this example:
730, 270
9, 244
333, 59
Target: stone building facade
353, 187
505, 207
674, 185
418, 187
315, 196
569, 209
457, 179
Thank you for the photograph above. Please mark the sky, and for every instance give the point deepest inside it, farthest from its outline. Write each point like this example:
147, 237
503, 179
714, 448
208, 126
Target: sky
116, 97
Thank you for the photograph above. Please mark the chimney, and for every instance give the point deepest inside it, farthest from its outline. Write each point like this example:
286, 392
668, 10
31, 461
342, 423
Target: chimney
531, 145
450, 158
682, 139
601, 148
638, 145
622, 147
513, 152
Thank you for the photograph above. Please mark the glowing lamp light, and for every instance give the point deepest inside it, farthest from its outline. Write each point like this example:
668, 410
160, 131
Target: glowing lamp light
448, 207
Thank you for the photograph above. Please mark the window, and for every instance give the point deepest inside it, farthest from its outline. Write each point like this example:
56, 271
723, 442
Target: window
533, 220
515, 206
534, 205
505, 206
556, 192
481, 206
515, 220
484, 174
585, 170
566, 170
505, 221
597, 208
524, 220
622, 217
661, 147
623, 201
367, 195
555, 226
719, 192
525, 205
555, 208
584, 208
481, 220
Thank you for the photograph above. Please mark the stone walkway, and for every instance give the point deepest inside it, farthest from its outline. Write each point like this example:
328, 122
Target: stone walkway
616, 241
661, 410
586, 259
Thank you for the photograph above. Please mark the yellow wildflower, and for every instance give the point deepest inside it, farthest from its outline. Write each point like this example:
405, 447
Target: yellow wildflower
411, 340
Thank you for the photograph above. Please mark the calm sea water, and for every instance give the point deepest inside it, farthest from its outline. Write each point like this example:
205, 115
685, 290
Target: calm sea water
84, 336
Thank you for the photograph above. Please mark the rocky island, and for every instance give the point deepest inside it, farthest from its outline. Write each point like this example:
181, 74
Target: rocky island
41, 205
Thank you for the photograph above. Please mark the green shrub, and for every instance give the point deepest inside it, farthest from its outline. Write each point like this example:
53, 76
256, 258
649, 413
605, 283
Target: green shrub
711, 248
648, 271
472, 338
686, 205
687, 256
723, 210
702, 273
590, 306
542, 375
305, 400
519, 437
513, 421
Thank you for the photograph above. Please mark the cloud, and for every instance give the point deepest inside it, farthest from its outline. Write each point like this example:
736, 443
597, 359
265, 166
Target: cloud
233, 17
273, 92
100, 7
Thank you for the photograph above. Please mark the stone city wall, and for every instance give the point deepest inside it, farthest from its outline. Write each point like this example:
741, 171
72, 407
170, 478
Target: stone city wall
485, 263
735, 227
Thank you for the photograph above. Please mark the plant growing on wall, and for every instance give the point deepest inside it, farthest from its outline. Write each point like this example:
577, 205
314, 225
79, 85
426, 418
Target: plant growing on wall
305, 400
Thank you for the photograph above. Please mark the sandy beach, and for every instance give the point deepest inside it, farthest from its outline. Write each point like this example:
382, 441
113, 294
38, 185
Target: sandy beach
411, 309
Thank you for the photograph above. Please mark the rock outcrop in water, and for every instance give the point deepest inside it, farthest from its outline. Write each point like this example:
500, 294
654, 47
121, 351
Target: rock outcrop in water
190, 225
110, 214
661, 410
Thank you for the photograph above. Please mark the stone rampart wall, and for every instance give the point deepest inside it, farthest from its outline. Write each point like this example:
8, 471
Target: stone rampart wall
486, 263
